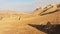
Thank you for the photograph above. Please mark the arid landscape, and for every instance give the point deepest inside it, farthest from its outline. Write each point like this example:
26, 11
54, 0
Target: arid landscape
13, 22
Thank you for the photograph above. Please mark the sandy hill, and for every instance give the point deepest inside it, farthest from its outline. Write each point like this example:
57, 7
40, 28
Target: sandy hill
44, 14
17, 22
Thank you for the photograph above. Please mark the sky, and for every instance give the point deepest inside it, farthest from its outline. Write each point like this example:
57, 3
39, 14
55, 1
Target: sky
24, 5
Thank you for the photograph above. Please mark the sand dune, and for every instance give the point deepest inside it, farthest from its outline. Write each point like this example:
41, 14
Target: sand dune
17, 22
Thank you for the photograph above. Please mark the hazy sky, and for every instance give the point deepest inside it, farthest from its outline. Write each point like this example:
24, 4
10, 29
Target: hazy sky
24, 5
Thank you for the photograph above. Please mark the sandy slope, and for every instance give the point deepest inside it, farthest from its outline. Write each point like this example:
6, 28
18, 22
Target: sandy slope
17, 22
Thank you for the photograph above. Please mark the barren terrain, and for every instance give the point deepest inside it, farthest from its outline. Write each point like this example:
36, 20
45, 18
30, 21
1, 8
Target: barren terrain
17, 22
